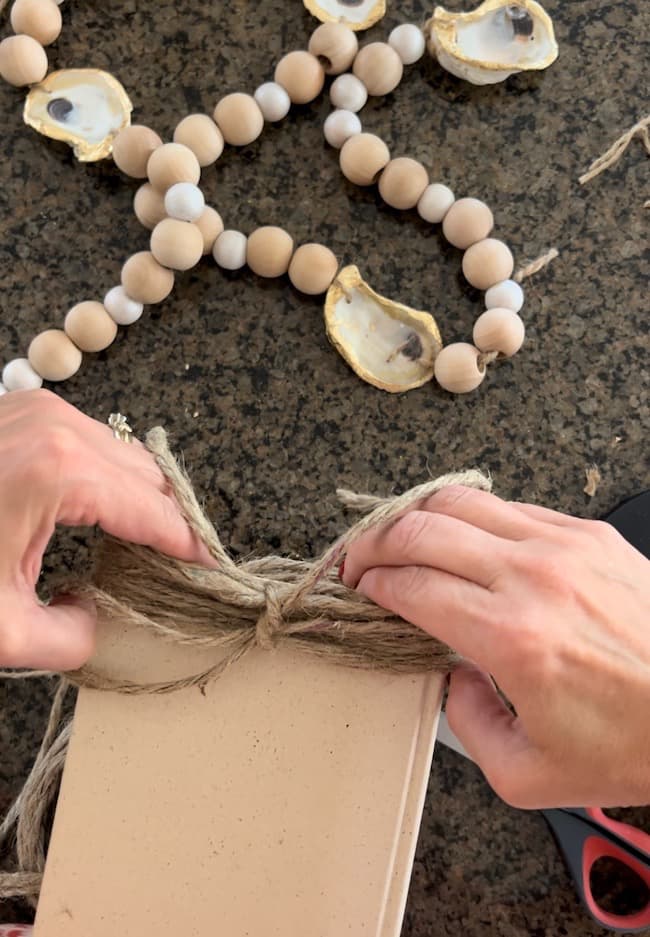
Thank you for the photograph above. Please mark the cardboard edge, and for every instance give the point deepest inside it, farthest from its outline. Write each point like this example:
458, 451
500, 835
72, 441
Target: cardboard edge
408, 827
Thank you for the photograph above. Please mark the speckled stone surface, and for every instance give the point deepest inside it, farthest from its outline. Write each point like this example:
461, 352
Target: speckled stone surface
271, 420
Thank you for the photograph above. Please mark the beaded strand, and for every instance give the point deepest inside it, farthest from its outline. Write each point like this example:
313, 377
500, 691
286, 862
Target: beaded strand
184, 229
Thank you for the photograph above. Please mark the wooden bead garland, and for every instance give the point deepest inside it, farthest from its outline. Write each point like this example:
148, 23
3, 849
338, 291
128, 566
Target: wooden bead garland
403, 184
184, 229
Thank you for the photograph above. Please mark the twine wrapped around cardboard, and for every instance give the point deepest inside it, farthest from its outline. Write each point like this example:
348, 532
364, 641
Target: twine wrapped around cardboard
259, 603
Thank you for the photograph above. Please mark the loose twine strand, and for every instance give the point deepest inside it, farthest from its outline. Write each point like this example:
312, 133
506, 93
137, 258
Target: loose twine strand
641, 130
237, 607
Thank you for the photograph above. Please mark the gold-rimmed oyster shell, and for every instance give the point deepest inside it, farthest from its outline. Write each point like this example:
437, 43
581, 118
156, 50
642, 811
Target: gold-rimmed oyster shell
494, 41
355, 14
84, 107
386, 343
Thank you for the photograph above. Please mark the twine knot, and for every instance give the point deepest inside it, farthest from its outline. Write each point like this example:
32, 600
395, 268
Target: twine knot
270, 622
259, 602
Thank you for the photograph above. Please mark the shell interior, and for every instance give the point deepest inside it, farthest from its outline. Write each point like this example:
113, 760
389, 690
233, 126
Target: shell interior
84, 107
494, 38
357, 14
384, 342
497, 39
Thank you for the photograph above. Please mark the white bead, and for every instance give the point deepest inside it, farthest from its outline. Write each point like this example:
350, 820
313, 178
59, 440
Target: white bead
20, 375
505, 295
408, 41
435, 202
348, 93
340, 126
273, 101
184, 201
229, 250
121, 308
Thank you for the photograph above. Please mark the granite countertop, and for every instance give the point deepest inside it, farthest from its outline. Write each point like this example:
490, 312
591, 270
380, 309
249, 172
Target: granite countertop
271, 420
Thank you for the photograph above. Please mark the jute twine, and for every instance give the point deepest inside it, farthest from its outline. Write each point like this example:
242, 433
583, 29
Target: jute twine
641, 130
259, 603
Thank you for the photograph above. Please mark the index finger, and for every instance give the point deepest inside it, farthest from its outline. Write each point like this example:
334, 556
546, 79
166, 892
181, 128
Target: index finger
422, 538
457, 612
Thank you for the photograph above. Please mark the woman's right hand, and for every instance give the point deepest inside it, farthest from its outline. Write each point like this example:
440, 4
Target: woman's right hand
557, 610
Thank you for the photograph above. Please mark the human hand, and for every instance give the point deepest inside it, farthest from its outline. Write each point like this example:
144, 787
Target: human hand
557, 610
58, 466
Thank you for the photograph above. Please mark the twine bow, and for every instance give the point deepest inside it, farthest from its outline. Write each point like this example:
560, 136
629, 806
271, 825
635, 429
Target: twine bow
262, 602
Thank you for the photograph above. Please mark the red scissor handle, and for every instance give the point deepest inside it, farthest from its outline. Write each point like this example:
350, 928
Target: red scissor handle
631, 834
594, 848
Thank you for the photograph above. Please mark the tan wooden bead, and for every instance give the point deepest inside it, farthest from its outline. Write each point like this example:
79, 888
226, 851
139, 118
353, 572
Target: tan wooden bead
239, 118
210, 225
458, 369
177, 244
172, 163
467, 221
89, 326
301, 75
145, 280
132, 148
499, 330
23, 61
335, 47
40, 19
268, 251
149, 206
402, 182
379, 67
362, 158
54, 356
487, 262
312, 268
201, 135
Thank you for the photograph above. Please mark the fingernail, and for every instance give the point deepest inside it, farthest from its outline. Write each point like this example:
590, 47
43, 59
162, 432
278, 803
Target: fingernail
341, 570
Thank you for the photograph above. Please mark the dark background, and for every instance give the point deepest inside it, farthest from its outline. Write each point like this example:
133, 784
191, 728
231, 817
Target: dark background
271, 419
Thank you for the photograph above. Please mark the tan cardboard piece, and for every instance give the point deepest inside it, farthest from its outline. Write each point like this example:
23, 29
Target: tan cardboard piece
285, 801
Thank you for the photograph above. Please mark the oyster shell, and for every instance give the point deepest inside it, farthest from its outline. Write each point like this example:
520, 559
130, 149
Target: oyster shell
385, 343
84, 107
356, 14
498, 39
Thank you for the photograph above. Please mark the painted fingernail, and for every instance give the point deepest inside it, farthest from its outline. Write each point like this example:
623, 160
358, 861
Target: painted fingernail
341, 570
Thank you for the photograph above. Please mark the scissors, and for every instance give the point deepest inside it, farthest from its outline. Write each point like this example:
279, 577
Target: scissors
585, 835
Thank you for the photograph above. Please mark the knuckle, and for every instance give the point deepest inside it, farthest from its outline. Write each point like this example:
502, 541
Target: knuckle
410, 586
602, 532
59, 442
409, 532
56, 455
549, 569
451, 495
394, 589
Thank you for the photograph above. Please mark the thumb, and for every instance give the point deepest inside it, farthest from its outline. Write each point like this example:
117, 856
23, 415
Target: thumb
493, 737
61, 635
